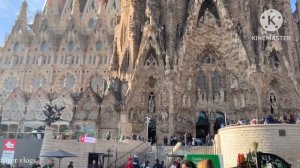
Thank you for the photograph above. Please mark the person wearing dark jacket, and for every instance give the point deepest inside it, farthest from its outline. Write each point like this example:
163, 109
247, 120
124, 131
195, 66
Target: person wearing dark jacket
135, 162
70, 165
36, 164
50, 164
157, 165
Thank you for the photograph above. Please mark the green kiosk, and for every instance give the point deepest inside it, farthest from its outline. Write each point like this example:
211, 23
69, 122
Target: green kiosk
217, 160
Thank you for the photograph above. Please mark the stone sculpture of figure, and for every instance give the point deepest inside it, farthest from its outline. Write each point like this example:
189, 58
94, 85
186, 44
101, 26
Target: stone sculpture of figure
217, 97
164, 115
151, 103
184, 100
162, 37
222, 95
243, 101
140, 115
234, 82
178, 32
199, 95
235, 101
151, 14
273, 103
168, 65
204, 96
108, 135
190, 83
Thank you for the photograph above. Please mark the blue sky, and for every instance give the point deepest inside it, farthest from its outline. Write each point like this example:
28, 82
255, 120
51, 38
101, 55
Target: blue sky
9, 10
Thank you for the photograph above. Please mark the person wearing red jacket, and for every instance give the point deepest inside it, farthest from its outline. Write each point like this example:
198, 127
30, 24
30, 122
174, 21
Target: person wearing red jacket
129, 163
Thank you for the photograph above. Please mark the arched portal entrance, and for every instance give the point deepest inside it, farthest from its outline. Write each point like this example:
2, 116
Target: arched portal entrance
152, 131
220, 121
202, 126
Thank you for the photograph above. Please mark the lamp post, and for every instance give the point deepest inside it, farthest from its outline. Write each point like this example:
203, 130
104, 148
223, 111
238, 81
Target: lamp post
147, 127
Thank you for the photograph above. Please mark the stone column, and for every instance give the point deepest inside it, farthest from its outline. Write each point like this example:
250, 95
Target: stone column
47, 145
171, 108
210, 89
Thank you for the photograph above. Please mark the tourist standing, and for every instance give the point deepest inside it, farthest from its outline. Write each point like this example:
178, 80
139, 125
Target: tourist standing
157, 165
49, 164
205, 164
36, 164
174, 165
135, 162
70, 165
94, 164
129, 163
188, 164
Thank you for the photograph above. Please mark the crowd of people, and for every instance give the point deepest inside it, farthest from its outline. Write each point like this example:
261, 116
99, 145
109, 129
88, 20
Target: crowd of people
134, 163
269, 119
187, 140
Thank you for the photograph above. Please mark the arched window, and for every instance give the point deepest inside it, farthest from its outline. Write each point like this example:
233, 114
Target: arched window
91, 23
94, 61
71, 46
98, 46
62, 59
90, 59
44, 47
33, 59
77, 59
17, 47
20, 60
49, 60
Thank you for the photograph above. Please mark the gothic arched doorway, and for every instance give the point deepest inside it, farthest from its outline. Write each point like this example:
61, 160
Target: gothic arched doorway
220, 121
202, 126
152, 131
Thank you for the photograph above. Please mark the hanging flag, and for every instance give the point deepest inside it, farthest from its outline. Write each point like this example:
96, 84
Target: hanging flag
9, 147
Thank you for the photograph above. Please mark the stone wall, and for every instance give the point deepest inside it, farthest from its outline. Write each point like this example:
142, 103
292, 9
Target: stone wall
82, 150
239, 139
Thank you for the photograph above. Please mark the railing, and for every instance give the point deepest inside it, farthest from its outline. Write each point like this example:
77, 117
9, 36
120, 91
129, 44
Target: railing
126, 156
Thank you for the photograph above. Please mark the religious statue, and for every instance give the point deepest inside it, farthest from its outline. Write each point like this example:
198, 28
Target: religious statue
190, 83
243, 101
151, 103
168, 62
199, 95
108, 135
151, 14
52, 113
204, 96
222, 95
217, 97
164, 115
273, 103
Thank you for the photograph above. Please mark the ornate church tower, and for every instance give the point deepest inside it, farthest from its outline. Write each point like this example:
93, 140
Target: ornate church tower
186, 64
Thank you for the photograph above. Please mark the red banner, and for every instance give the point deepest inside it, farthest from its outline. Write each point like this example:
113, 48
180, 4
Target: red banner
9, 145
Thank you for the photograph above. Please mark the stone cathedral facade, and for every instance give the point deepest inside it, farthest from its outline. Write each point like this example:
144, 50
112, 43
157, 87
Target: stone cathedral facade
186, 64
63, 55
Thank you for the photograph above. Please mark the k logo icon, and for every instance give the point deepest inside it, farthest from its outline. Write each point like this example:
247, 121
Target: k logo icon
271, 20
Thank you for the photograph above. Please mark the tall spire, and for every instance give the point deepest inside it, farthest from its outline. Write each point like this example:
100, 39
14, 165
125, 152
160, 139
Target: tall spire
76, 10
23, 12
51, 7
